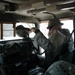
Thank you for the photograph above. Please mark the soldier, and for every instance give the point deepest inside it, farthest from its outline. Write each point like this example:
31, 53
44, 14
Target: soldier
50, 45
22, 31
61, 68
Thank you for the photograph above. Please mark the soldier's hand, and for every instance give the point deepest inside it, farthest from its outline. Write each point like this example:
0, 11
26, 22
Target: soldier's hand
32, 29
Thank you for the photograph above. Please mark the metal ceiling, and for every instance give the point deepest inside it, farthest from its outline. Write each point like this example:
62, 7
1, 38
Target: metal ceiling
35, 8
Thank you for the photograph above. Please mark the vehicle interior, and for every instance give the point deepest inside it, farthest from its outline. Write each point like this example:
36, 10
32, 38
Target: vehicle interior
30, 13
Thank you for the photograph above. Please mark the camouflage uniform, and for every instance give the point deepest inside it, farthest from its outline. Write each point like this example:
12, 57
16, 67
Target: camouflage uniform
48, 45
66, 32
61, 68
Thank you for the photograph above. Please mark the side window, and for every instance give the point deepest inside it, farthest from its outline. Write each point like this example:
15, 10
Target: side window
69, 25
8, 31
27, 25
43, 28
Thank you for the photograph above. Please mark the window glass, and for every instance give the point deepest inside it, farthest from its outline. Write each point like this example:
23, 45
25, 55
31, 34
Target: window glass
27, 25
43, 28
8, 31
69, 25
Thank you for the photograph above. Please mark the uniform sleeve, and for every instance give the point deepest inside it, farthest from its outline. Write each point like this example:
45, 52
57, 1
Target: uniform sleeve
43, 41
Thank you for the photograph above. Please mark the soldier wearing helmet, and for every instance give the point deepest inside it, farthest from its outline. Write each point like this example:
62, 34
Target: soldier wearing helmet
22, 31
61, 68
50, 45
55, 23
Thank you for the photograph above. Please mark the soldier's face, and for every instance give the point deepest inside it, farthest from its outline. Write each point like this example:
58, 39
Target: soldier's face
50, 32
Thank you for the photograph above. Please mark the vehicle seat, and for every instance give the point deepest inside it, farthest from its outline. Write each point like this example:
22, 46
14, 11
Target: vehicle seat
65, 55
73, 57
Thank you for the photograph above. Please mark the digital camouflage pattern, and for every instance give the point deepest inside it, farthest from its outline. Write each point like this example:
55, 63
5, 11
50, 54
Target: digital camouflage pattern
61, 68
